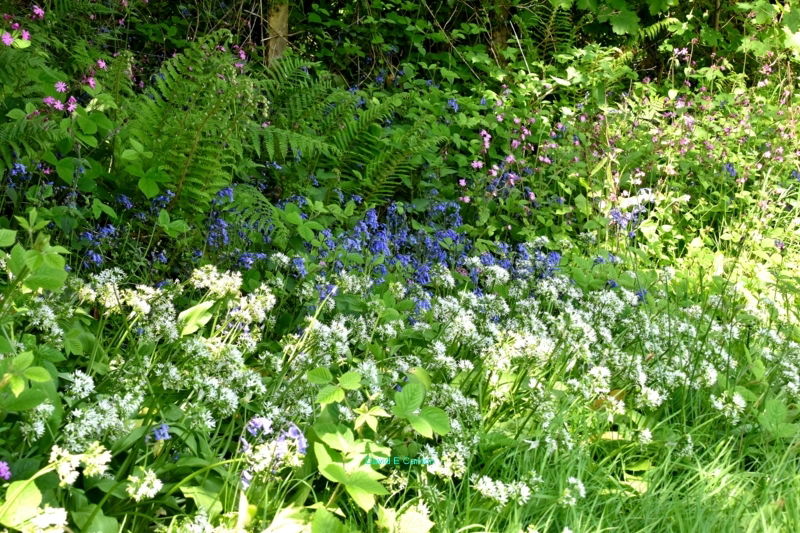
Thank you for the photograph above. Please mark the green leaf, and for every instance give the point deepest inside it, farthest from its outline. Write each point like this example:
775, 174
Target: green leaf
99, 207
65, 168
195, 317
408, 400
330, 394
87, 125
350, 380
37, 374
624, 22
16, 114
46, 277
437, 418
420, 425
362, 489
7, 237
22, 503
305, 232
206, 499
73, 343
149, 187
100, 522
22, 361
325, 522
319, 376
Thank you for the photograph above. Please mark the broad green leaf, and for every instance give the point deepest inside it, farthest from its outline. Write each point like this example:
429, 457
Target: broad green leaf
325, 522
46, 277
21, 503
319, 376
7, 237
37, 374
437, 419
408, 400
420, 425
206, 499
330, 394
195, 317
22, 361
100, 523
350, 380
362, 489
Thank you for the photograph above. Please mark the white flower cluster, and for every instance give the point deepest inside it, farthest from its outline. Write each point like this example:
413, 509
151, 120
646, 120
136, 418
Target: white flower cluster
731, 405
219, 285
500, 492
94, 460
143, 486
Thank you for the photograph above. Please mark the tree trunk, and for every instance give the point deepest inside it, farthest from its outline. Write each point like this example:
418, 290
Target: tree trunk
278, 31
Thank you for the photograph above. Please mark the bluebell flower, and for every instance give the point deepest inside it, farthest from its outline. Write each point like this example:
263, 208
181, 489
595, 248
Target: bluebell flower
299, 266
452, 103
124, 201
612, 284
248, 259
729, 168
93, 257
107, 231
641, 294
161, 432
160, 257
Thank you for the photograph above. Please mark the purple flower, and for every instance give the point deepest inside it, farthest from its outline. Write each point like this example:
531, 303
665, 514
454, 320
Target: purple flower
161, 432
259, 425
452, 103
5, 470
729, 168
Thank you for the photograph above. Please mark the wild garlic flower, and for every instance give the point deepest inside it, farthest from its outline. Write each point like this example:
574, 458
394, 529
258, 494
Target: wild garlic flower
66, 465
144, 486
49, 520
219, 285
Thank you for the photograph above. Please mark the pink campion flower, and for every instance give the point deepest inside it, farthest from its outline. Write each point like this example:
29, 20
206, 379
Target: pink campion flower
465, 199
239, 65
242, 54
531, 197
499, 117
15, 26
515, 144
101, 64
61, 87
462, 182
58, 104
8, 40
477, 164
47, 170
38, 12
510, 158
49, 101
26, 36
72, 104
90, 81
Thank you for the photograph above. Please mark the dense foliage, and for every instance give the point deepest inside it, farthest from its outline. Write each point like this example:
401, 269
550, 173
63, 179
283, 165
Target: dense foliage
399, 266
